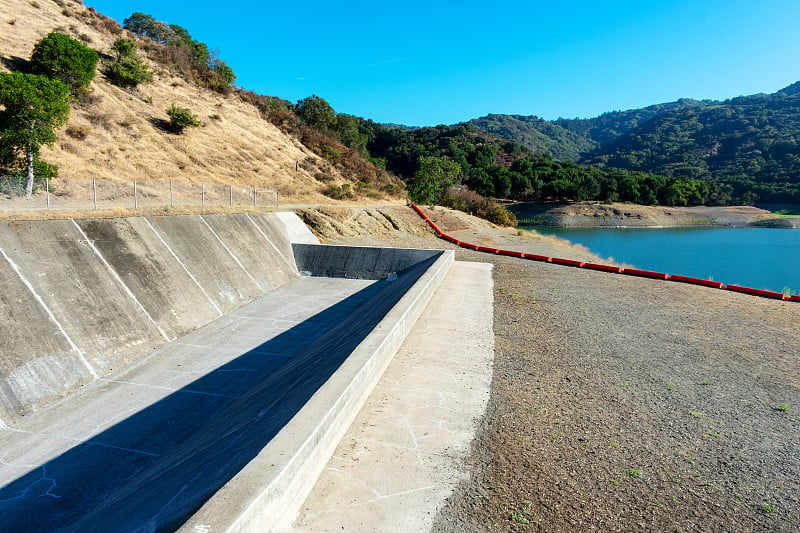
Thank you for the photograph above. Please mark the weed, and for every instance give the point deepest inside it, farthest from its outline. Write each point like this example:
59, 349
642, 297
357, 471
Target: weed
697, 414
79, 132
670, 385
634, 472
521, 515
705, 382
613, 444
768, 508
783, 407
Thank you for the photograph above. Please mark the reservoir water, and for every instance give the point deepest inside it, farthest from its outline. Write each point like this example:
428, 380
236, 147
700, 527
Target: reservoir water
763, 258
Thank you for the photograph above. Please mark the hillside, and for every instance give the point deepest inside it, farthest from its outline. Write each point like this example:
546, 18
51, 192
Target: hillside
116, 132
749, 143
571, 139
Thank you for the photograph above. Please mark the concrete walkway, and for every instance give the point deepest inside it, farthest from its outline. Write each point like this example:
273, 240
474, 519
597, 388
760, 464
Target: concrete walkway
404, 453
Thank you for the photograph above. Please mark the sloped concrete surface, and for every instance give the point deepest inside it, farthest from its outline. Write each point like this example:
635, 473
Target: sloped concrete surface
404, 453
226, 426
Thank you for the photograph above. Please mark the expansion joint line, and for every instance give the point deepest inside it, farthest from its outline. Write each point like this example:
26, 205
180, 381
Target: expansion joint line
231, 253
290, 263
185, 268
121, 282
50, 314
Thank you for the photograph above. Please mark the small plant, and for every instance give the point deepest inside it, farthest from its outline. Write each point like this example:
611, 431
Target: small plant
634, 472
670, 385
79, 132
697, 414
768, 508
181, 118
127, 70
783, 407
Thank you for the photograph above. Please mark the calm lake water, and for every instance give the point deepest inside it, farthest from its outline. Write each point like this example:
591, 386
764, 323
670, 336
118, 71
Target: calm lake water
762, 258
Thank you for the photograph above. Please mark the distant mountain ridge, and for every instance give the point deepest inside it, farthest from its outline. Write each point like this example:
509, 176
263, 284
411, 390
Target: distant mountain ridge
750, 142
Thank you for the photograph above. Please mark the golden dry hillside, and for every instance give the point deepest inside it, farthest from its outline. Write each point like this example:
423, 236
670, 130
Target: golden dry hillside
115, 133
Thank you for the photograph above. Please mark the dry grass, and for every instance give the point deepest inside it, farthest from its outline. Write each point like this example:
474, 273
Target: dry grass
124, 139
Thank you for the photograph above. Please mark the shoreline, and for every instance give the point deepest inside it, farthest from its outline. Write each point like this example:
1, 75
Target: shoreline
583, 215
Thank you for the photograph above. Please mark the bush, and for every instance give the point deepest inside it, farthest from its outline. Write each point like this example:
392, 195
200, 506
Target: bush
475, 204
181, 118
127, 70
61, 57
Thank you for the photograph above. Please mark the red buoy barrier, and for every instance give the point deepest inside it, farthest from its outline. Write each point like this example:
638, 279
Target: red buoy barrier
568, 262
608, 268
756, 292
644, 273
512, 253
539, 258
697, 281
605, 268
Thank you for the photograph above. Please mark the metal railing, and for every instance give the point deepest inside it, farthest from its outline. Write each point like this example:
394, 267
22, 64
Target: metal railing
63, 193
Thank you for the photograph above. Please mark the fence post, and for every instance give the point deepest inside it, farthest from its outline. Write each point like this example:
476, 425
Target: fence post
203, 194
254, 197
170, 194
94, 192
135, 198
47, 191
276, 198
230, 193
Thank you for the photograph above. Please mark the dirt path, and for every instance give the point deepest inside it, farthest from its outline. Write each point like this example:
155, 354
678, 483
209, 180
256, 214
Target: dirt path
619, 403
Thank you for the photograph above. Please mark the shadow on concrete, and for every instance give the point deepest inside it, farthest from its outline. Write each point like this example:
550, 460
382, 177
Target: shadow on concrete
153, 470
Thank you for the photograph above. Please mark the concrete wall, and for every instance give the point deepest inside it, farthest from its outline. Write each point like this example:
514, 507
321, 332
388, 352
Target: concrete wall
79, 299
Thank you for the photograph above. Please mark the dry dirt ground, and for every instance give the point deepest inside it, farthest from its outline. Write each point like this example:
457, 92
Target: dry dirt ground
618, 403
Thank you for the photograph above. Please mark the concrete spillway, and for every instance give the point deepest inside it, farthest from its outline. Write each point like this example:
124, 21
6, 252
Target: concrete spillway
157, 369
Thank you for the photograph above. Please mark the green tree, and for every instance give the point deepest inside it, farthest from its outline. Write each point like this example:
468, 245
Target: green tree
31, 109
432, 178
145, 25
127, 70
316, 113
61, 57
181, 118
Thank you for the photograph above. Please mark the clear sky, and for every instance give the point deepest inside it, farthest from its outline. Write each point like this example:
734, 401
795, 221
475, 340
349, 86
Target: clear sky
423, 63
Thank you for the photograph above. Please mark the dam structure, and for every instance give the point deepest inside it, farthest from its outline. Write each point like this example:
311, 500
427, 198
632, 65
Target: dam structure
156, 369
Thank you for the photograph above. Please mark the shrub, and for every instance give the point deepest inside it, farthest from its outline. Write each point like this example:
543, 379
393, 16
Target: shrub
127, 70
79, 132
181, 118
61, 57
475, 204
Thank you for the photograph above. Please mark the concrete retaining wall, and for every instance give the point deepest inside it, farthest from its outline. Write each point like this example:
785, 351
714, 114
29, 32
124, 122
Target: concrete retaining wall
82, 298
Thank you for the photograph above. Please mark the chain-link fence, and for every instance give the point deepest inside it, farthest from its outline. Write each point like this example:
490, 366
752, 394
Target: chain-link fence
108, 194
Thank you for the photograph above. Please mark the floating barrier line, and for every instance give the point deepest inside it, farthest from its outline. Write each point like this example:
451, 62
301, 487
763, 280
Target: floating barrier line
608, 268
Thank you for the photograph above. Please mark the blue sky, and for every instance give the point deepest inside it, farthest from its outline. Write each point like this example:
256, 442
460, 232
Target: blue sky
423, 63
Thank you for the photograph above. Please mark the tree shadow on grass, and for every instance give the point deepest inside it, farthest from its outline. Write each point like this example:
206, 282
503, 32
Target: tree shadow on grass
16, 64
164, 125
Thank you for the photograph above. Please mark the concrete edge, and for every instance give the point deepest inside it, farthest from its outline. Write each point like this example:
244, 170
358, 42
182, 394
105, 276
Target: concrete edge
268, 493
295, 229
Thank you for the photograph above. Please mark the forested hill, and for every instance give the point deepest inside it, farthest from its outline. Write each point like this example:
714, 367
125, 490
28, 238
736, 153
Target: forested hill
571, 139
749, 142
